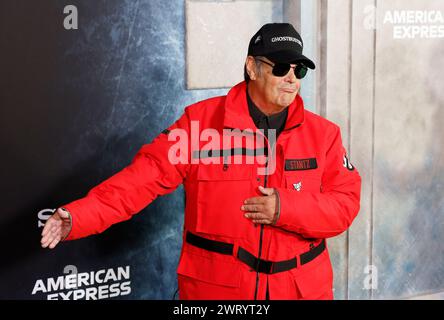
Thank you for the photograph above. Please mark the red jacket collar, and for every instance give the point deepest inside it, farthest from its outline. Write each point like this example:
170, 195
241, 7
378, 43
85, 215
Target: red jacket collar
237, 115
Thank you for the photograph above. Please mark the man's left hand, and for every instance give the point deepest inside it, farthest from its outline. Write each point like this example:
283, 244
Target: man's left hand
261, 209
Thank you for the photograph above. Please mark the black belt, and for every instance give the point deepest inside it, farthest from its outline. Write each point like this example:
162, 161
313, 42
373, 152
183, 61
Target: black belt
258, 265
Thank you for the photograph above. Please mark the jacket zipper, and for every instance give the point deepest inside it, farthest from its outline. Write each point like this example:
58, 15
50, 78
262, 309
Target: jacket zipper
260, 250
262, 228
225, 167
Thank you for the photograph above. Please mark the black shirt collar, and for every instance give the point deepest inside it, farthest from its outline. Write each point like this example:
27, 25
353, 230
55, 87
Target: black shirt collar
262, 121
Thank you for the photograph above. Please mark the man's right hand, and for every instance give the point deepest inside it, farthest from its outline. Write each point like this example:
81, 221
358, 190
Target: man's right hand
56, 228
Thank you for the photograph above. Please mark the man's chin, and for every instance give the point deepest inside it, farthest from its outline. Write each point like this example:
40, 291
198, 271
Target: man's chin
287, 100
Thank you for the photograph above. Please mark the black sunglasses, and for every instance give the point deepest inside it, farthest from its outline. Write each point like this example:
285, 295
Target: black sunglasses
281, 69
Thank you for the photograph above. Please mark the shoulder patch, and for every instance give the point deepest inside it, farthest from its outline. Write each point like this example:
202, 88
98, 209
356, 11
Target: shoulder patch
347, 164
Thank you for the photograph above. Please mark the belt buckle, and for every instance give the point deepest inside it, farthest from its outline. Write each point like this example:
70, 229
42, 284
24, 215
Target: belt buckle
265, 266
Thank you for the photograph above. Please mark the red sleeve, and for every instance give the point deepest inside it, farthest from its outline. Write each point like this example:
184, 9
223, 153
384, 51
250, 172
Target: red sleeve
331, 211
126, 193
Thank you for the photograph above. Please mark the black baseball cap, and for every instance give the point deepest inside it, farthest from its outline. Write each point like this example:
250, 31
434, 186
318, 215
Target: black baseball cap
279, 42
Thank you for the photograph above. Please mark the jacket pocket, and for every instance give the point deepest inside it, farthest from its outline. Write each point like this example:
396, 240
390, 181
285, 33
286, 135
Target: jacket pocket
220, 195
315, 278
210, 270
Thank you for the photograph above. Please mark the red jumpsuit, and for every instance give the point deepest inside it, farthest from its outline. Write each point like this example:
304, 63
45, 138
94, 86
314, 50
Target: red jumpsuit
224, 255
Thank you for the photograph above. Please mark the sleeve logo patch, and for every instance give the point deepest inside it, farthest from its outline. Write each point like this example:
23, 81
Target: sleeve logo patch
300, 164
347, 164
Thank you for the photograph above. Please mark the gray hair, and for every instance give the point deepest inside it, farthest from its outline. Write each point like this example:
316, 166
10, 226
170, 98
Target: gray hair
258, 68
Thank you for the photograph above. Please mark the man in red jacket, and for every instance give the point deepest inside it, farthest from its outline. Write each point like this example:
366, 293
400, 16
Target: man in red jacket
257, 212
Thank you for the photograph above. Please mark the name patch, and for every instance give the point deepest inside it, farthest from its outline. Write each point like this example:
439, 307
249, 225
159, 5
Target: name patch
300, 164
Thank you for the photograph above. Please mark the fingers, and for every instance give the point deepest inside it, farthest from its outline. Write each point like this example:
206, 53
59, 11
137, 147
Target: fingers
252, 207
51, 232
47, 240
262, 221
258, 218
45, 230
261, 200
48, 226
56, 228
255, 200
261, 210
51, 240
55, 218
266, 191
54, 243
255, 215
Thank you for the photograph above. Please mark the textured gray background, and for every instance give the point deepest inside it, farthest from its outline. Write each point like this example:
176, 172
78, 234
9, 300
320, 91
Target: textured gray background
386, 94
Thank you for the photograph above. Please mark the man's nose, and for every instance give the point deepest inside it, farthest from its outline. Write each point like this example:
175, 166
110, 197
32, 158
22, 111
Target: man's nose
290, 76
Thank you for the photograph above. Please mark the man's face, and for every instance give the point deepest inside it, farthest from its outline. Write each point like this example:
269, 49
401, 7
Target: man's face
277, 91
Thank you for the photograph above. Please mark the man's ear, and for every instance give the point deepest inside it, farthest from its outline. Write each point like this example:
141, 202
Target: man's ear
251, 67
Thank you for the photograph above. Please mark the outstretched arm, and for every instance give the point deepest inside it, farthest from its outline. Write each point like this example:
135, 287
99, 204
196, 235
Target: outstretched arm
150, 174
